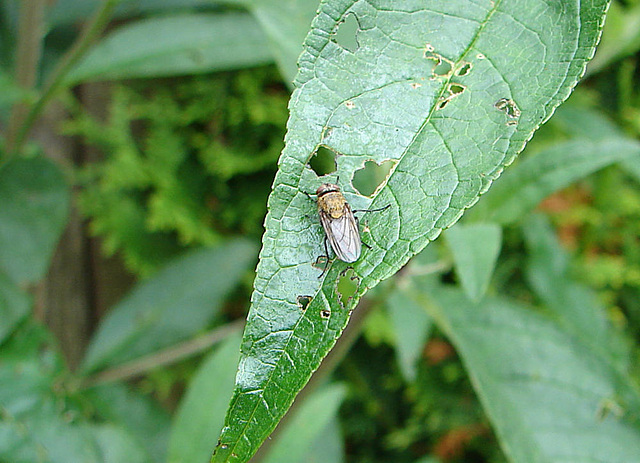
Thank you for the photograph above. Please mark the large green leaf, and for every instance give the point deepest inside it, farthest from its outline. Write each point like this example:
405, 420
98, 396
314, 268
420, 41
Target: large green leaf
285, 23
34, 202
576, 307
176, 304
431, 87
549, 396
175, 45
201, 412
304, 428
532, 180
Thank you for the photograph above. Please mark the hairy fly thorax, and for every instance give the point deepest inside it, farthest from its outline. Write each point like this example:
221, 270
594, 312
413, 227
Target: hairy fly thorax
331, 201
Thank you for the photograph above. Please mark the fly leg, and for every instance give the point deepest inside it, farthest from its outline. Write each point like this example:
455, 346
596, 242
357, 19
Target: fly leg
326, 255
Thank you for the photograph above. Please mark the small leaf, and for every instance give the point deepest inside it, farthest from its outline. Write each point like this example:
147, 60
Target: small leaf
432, 90
475, 250
548, 396
532, 180
34, 203
200, 415
305, 427
180, 301
411, 325
175, 45
14, 307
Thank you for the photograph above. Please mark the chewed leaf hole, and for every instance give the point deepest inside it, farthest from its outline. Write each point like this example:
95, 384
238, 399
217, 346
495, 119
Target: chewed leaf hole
442, 103
508, 106
325, 313
456, 89
368, 179
323, 162
303, 302
464, 70
347, 33
442, 66
347, 285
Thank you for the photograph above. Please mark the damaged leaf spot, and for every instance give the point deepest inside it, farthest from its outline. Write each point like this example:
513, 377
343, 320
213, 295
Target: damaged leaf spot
371, 177
453, 90
347, 285
325, 313
347, 33
415, 85
303, 302
323, 161
350, 104
442, 67
463, 70
321, 262
480, 56
509, 107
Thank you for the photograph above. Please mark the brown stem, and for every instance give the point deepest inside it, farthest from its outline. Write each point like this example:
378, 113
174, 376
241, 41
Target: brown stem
28, 53
165, 357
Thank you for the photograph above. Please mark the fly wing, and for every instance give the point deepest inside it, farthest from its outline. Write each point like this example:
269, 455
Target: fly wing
343, 234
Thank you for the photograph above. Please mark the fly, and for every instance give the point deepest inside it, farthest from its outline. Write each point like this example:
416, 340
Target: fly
339, 223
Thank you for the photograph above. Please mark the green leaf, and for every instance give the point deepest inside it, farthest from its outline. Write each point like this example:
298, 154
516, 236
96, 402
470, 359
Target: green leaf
475, 249
532, 180
285, 23
180, 301
549, 397
141, 416
304, 429
200, 415
575, 305
34, 203
328, 446
37, 422
411, 325
620, 38
116, 446
14, 307
432, 88
175, 45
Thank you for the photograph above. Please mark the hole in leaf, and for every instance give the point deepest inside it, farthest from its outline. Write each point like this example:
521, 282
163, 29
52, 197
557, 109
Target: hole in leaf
508, 106
325, 313
347, 33
347, 286
464, 70
442, 66
321, 262
371, 176
456, 89
303, 302
442, 103
323, 162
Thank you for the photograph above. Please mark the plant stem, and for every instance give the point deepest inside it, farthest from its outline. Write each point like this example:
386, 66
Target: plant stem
28, 53
164, 357
91, 31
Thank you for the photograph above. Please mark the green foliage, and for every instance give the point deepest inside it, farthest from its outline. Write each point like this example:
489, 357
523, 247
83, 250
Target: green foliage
461, 357
185, 163
450, 114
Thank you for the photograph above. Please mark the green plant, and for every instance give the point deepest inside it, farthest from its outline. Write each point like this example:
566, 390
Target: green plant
510, 340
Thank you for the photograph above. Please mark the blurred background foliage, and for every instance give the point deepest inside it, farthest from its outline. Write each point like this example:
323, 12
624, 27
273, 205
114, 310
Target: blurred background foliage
170, 178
